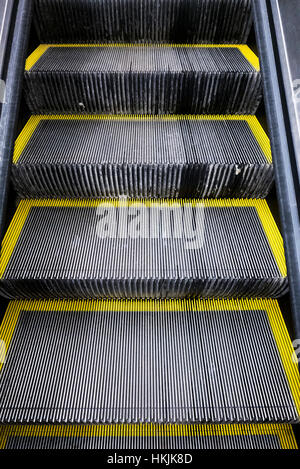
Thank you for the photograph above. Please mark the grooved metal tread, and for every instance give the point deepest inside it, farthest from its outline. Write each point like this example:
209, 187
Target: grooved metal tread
113, 156
162, 362
145, 436
143, 79
143, 20
140, 249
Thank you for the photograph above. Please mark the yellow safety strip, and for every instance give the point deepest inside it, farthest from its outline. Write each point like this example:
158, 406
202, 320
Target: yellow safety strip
286, 350
12, 235
35, 56
8, 325
283, 432
25, 136
271, 308
244, 49
273, 234
33, 122
268, 223
250, 56
260, 136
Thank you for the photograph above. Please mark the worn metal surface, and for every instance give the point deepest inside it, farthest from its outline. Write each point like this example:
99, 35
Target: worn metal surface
146, 157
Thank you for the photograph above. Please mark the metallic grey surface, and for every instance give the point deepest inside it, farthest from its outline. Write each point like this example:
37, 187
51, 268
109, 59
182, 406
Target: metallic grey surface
126, 366
79, 252
143, 80
143, 21
111, 158
6, 7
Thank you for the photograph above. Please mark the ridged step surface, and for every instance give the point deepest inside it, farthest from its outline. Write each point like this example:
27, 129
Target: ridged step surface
141, 79
143, 20
161, 362
122, 437
132, 249
111, 156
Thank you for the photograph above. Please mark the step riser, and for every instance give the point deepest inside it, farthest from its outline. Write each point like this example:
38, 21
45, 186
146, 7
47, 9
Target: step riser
142, 288
155, 181
141, 94
176, 157
143, 21
143, 80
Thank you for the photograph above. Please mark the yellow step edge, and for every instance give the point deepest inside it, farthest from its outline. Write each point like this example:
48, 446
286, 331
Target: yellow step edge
244, 49
283, 432
271, 307
268, 223
30, 127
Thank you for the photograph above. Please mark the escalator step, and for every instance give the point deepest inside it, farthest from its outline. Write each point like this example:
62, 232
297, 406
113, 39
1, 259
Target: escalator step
143, 20
205, 361
147, 436
112, 156
141, 79
142, 249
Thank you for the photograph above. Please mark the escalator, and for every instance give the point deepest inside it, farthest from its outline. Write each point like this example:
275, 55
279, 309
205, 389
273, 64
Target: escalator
145, 269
